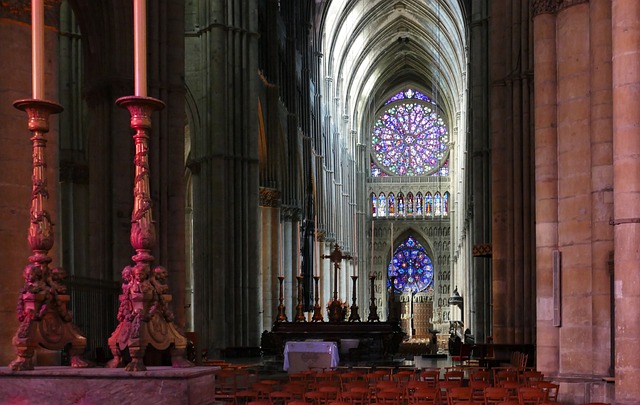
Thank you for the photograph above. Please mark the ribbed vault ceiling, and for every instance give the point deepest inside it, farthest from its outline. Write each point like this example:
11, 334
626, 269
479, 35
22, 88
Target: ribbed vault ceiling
373, 48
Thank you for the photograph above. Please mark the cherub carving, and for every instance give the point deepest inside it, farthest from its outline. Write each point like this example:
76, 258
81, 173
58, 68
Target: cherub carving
159, 281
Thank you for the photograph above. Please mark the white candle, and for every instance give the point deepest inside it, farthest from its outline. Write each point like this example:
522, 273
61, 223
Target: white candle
355, 245
372, 238
140, 47
37, 48
316, 246
280, 249
298, 262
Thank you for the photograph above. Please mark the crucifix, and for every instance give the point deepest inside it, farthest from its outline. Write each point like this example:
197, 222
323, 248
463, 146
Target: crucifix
336, 257
336, 311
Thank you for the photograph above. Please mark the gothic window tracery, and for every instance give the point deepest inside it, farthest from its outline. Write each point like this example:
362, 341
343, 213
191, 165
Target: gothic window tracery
409, 138
411, 266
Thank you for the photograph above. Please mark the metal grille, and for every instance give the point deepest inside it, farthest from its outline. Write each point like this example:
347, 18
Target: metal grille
94, 305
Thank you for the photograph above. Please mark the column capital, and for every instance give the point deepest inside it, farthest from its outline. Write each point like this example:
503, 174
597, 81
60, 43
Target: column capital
20, 10
544, 7
562, 4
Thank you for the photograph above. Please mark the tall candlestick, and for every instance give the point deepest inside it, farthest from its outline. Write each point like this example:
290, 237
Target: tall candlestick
372, 239
37, 48
140, 47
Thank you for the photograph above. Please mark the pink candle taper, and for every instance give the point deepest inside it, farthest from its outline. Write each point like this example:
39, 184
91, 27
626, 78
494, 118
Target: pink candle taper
37, 48
140, 47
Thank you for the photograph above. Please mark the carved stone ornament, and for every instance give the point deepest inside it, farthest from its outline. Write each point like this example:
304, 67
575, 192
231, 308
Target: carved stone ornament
544, 7
20, 10
269, 197
562, 4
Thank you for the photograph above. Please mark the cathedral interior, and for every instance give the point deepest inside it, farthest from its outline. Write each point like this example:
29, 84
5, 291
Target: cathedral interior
476, 162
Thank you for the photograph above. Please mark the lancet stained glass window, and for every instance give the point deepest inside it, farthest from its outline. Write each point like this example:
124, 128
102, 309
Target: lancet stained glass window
409, 138
412, 268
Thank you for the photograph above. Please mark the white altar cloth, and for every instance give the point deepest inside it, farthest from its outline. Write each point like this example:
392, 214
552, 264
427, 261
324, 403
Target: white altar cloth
299, 356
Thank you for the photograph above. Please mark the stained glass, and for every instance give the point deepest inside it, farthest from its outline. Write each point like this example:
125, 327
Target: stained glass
418, 210
410, 138
437, 204
392, 205
382, 205
409, 93
443, 171
412, 268
409, 204
445, 203
374, 204
377, 172
400, 204
428, 204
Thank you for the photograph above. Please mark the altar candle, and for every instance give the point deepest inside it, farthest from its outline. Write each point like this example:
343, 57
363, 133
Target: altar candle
280, 248
37, 48
316, 246
372, 237
140, 47
298, 262
355, 244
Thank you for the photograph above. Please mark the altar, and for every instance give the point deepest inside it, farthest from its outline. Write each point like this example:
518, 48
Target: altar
301, 356
376, 340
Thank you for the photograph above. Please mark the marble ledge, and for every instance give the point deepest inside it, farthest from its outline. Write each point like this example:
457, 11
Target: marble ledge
103, 386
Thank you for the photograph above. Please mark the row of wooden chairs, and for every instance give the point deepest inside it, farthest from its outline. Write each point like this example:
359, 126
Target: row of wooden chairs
431, 396
323, 386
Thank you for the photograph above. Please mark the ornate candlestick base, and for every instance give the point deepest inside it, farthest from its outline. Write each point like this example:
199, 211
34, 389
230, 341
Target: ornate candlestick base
144, 315
299, 308
42, 301
354, 316
282, 316
317, 309
373, 309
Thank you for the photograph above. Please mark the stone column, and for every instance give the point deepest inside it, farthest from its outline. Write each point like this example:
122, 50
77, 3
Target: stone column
626, 180
479, 162
574, 187
546, 176
270, 256
601, 183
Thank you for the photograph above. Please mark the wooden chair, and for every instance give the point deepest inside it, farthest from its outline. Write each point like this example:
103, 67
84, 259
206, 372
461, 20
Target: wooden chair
392, 396
356, 395
550, 388
403, 376
425, 395
296, 388
431, 376
531, 396
529, 377
263, 390
414, 385
444, 387
495, 395
225, 385
456, 395
245, 396
457, 375
280, 397
478, 381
